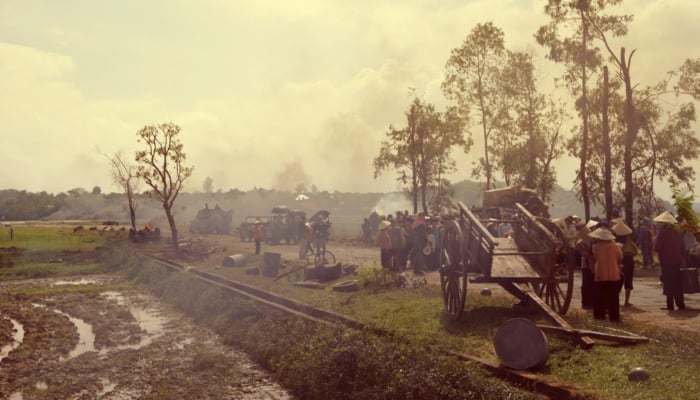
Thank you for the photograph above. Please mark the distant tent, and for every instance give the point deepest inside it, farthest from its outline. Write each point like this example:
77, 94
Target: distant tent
301, 197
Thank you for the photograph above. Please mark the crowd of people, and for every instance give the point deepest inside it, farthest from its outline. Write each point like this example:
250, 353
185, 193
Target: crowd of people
406, 240
605, 252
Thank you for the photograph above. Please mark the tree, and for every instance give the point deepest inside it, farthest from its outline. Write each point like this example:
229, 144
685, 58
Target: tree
161, 166
420, 152
579, 57
471, 81
528, 137
665, 142
124, 175
208, 185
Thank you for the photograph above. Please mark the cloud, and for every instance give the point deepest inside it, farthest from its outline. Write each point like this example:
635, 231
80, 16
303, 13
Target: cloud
265, 91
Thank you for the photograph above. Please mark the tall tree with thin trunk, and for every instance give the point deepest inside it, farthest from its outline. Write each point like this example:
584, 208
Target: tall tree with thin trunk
124, 175
471, 81
528, 135
162, 167
581, 59
607, 182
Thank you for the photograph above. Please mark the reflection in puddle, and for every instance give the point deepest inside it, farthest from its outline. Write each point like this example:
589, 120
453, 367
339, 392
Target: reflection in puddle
86, 340
149, 321
17, 338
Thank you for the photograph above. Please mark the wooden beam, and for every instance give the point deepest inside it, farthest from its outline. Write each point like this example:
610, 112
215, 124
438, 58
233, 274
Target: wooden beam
583, 340
593, 334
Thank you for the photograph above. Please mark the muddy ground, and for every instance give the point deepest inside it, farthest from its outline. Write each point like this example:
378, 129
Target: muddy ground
114, 344
141, 348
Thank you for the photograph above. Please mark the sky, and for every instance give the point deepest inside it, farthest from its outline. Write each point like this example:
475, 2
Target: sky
268, 93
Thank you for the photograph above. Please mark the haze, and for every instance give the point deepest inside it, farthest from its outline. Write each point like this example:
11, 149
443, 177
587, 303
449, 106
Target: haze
268, 93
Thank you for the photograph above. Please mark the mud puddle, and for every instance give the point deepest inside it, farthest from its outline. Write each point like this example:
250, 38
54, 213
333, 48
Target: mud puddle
124, 344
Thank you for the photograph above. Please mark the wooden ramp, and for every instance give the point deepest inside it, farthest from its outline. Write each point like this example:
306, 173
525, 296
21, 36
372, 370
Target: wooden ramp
509, 262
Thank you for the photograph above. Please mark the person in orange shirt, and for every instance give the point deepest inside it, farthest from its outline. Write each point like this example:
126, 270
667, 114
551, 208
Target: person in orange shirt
608, 257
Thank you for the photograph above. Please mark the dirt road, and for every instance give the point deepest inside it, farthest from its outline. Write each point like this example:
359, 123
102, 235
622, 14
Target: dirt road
647, 297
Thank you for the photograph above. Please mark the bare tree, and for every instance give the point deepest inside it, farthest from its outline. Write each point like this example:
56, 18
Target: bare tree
124, 175
161, 166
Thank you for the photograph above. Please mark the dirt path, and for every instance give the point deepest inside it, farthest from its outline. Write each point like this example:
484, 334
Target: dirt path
647, 297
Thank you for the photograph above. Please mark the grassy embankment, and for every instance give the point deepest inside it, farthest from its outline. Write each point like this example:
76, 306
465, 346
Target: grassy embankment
321, 362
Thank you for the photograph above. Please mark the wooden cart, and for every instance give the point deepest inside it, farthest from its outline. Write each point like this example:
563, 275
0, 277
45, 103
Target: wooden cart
535, 264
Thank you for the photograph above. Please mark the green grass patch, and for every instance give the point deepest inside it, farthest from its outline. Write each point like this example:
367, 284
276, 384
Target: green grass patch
46, 270
54, 238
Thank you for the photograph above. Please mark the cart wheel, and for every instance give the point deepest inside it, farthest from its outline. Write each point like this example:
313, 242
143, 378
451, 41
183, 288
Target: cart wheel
559, 288
453, 271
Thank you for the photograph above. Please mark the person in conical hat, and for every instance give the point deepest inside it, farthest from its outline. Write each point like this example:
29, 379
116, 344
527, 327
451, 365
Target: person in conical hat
623, 234
670, 247
621, 229
607, 277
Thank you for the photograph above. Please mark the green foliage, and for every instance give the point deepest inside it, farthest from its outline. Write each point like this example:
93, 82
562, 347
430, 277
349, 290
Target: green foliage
472, 82
20, 205
420, 152
162, 166
47, 270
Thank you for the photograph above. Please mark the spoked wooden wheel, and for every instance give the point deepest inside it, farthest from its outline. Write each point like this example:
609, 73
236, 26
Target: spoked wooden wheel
558, 289
453, 271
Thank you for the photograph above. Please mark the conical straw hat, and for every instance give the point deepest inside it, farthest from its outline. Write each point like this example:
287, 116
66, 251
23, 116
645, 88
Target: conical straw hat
602, 234
621, 229
666, 217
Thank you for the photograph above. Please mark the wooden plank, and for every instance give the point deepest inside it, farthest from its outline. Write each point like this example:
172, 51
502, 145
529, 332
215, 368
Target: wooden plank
512, 266
584, 341
596, 335
543, 384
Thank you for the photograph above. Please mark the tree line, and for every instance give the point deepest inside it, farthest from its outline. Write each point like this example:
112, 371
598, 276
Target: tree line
625, 136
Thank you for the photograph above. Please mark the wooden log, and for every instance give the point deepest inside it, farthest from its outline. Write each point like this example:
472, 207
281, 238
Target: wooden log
595, 335
583, 340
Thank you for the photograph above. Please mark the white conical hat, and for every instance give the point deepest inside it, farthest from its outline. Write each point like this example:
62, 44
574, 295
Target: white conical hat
591, 223
666, 217
384, 224
621, 229
602, 234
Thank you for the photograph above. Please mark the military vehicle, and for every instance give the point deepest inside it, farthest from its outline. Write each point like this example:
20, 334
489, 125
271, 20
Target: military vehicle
283, 225
212, 220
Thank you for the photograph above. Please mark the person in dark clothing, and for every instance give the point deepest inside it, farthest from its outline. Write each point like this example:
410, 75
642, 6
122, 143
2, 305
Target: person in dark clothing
670, 248
623, 235
257, 235
366, 232
583, 246
645, 242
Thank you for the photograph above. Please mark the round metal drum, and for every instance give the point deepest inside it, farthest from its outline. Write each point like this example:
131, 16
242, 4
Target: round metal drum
520, 344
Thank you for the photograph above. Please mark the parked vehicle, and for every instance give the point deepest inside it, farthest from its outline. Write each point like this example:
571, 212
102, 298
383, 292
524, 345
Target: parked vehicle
245, 229
212, 220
